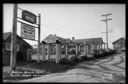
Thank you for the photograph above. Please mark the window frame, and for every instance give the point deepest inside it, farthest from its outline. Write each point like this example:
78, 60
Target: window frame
8, 44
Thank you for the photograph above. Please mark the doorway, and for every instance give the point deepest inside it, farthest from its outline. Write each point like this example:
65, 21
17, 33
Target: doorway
29, 54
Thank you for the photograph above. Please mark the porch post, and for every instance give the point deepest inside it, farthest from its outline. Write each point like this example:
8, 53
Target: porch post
66, 50
48, 51
87, 49
58, 52
76, 49
92, 46
43, 51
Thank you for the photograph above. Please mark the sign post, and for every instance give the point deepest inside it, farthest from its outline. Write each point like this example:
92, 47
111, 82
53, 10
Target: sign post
39, 18
27, 31
13, 39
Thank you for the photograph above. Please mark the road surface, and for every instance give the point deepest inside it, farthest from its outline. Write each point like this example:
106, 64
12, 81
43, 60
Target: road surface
107, 70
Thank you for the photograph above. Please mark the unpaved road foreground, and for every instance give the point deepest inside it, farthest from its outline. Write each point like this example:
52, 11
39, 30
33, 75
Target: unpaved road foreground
108, 70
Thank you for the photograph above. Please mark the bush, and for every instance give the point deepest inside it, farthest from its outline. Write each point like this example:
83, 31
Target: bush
80, 59
103, 53
75, 59
66, 61
96, 54
84, 57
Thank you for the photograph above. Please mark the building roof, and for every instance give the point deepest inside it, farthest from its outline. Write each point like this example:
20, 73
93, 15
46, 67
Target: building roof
53, 38
122, 38
90, 40
8, 34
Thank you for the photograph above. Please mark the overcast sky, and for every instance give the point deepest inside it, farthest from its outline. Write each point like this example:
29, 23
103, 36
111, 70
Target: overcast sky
72, 20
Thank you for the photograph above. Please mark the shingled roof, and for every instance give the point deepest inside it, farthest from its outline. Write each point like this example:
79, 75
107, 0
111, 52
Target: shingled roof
53, 38
90, 40
122, 38
8, 34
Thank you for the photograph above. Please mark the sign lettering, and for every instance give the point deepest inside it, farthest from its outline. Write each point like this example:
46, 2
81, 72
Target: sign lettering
27, 31
28, 16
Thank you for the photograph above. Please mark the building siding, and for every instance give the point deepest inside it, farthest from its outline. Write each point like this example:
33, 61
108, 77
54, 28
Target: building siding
21, 54
119, 44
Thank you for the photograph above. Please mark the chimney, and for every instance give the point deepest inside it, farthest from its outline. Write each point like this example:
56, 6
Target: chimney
73, 38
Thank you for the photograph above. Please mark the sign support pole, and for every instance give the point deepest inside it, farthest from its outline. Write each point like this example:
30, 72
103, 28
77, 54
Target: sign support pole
39, 39
13, 39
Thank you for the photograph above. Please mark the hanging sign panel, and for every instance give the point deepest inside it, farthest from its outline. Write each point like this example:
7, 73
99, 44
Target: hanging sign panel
28, 16
27, 31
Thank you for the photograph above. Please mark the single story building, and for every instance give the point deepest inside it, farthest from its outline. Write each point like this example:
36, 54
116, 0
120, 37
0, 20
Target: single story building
23, 49
90, 43
55, 45
51, 41
119, 44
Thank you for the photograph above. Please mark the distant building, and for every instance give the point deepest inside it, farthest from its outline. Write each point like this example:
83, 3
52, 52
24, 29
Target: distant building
23, 49
56, 47
119, 44
51, 39
92, 43
75, 44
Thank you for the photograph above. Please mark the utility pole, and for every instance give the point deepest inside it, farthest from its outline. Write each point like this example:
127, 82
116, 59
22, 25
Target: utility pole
13, 39
106, 20
39, 17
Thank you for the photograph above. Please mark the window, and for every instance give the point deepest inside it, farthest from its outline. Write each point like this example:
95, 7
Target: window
8, 47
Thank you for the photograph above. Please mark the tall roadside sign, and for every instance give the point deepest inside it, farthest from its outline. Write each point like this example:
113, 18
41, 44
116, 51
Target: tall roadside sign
27, 31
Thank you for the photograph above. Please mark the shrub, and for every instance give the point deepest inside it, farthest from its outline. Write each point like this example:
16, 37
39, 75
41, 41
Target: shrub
80, 58
66, 61
84, 57
75, 59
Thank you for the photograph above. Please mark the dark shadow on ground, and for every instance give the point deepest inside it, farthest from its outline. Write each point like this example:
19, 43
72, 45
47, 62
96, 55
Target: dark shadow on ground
47, 67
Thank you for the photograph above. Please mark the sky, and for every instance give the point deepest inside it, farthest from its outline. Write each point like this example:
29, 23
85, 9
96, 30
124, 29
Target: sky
71, 20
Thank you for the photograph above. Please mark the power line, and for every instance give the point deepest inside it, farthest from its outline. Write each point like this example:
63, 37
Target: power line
106, 20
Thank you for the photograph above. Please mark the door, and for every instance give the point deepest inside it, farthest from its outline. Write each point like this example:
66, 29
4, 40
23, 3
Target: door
29, 54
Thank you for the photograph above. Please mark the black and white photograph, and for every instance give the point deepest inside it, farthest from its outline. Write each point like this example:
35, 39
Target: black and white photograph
63, 43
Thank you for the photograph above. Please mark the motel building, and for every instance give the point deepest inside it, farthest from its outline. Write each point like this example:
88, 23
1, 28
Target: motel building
54, 47
23, 49
119, 44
